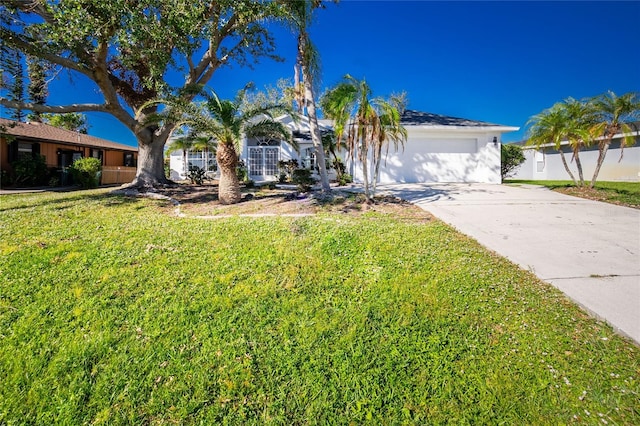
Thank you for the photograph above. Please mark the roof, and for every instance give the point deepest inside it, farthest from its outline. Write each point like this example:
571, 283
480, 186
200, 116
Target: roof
418, 118
46, 132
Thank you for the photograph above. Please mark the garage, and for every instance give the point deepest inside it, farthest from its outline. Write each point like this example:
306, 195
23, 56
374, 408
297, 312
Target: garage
443, 149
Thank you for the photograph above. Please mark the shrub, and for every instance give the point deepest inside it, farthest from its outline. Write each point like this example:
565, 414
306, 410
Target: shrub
30, 170
303, 178
196, 174
286, 170
241, 171
344, 179
86, 171
511, 157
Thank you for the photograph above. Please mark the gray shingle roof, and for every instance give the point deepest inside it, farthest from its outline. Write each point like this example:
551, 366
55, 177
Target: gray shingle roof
46, 132
419, 118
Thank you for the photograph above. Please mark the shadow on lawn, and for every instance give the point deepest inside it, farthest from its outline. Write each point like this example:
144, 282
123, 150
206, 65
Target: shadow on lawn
65, 200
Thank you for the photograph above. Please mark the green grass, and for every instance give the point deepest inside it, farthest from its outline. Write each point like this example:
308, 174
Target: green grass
112, 312
624, 193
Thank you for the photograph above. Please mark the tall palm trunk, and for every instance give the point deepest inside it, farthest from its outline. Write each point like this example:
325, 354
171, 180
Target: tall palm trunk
228, 186
310, 102
364, 153
603, 148
576, 155
377, 159
566, 167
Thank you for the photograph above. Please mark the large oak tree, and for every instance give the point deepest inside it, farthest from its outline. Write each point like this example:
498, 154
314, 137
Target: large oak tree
139, 51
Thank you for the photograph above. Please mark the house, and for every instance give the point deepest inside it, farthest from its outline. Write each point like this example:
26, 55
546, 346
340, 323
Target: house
260, 156
61, 148
544, 163
440, 148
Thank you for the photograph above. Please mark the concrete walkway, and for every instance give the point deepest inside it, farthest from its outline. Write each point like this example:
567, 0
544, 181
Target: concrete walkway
587, 249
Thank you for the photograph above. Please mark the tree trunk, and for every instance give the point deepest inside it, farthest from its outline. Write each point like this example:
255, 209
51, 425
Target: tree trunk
604, 147
228, 186
364, 153
576, 155
316, 137
150, 173
566, 167
376, 165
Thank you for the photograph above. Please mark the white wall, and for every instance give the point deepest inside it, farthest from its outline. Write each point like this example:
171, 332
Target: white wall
442, 156
548, 165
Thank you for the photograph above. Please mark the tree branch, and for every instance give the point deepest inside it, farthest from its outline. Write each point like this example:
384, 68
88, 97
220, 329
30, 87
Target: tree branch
56, 109
16, 41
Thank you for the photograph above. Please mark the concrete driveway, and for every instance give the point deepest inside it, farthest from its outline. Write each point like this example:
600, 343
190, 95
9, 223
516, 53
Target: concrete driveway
587, 249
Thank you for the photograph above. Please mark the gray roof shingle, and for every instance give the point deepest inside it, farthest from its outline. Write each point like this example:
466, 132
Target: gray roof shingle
419, 118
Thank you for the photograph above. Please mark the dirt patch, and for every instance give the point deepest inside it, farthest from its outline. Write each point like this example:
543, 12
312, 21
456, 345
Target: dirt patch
202, 201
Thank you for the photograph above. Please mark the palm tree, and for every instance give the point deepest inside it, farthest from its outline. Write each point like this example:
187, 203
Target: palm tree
578, 129
390, 131
549, 127
614, 115
205, 144
569, 121
226, 121
368, 124
184, 144
308, 62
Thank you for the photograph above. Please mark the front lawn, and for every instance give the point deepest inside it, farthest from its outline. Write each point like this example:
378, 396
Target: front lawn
114, 312
621, 193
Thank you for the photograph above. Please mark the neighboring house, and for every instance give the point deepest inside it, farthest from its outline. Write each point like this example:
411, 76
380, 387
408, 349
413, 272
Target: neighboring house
260, 156
443, 149
62, 147
545, 163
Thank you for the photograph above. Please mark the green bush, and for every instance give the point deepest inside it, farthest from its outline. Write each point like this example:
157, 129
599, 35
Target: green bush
241, 171
86, 172
511, 157
30, 170
196, 174
344, 179
286, 170
302, 178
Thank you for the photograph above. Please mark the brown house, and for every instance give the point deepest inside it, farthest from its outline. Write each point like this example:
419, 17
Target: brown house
62, 147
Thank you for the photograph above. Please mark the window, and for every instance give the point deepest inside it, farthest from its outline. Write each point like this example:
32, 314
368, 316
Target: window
97, 153
129, 160
18, 149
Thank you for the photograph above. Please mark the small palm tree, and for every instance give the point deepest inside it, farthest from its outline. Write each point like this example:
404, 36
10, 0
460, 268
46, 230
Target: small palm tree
205, 144
568, 121
614, 115
226, 121
184, 144
368, 124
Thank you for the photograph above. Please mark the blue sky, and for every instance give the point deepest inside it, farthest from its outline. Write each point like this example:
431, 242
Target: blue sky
498, 61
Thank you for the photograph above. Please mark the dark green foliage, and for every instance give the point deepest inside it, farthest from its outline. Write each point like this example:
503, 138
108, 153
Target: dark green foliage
195, 174
73, 121
13, 80
37, 87
303, 178
511, 157
86, 172
344, 179
30, 170
287, 168
241, 171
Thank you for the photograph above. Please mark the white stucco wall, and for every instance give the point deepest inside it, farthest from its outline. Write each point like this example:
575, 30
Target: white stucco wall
548, 165
442, 156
